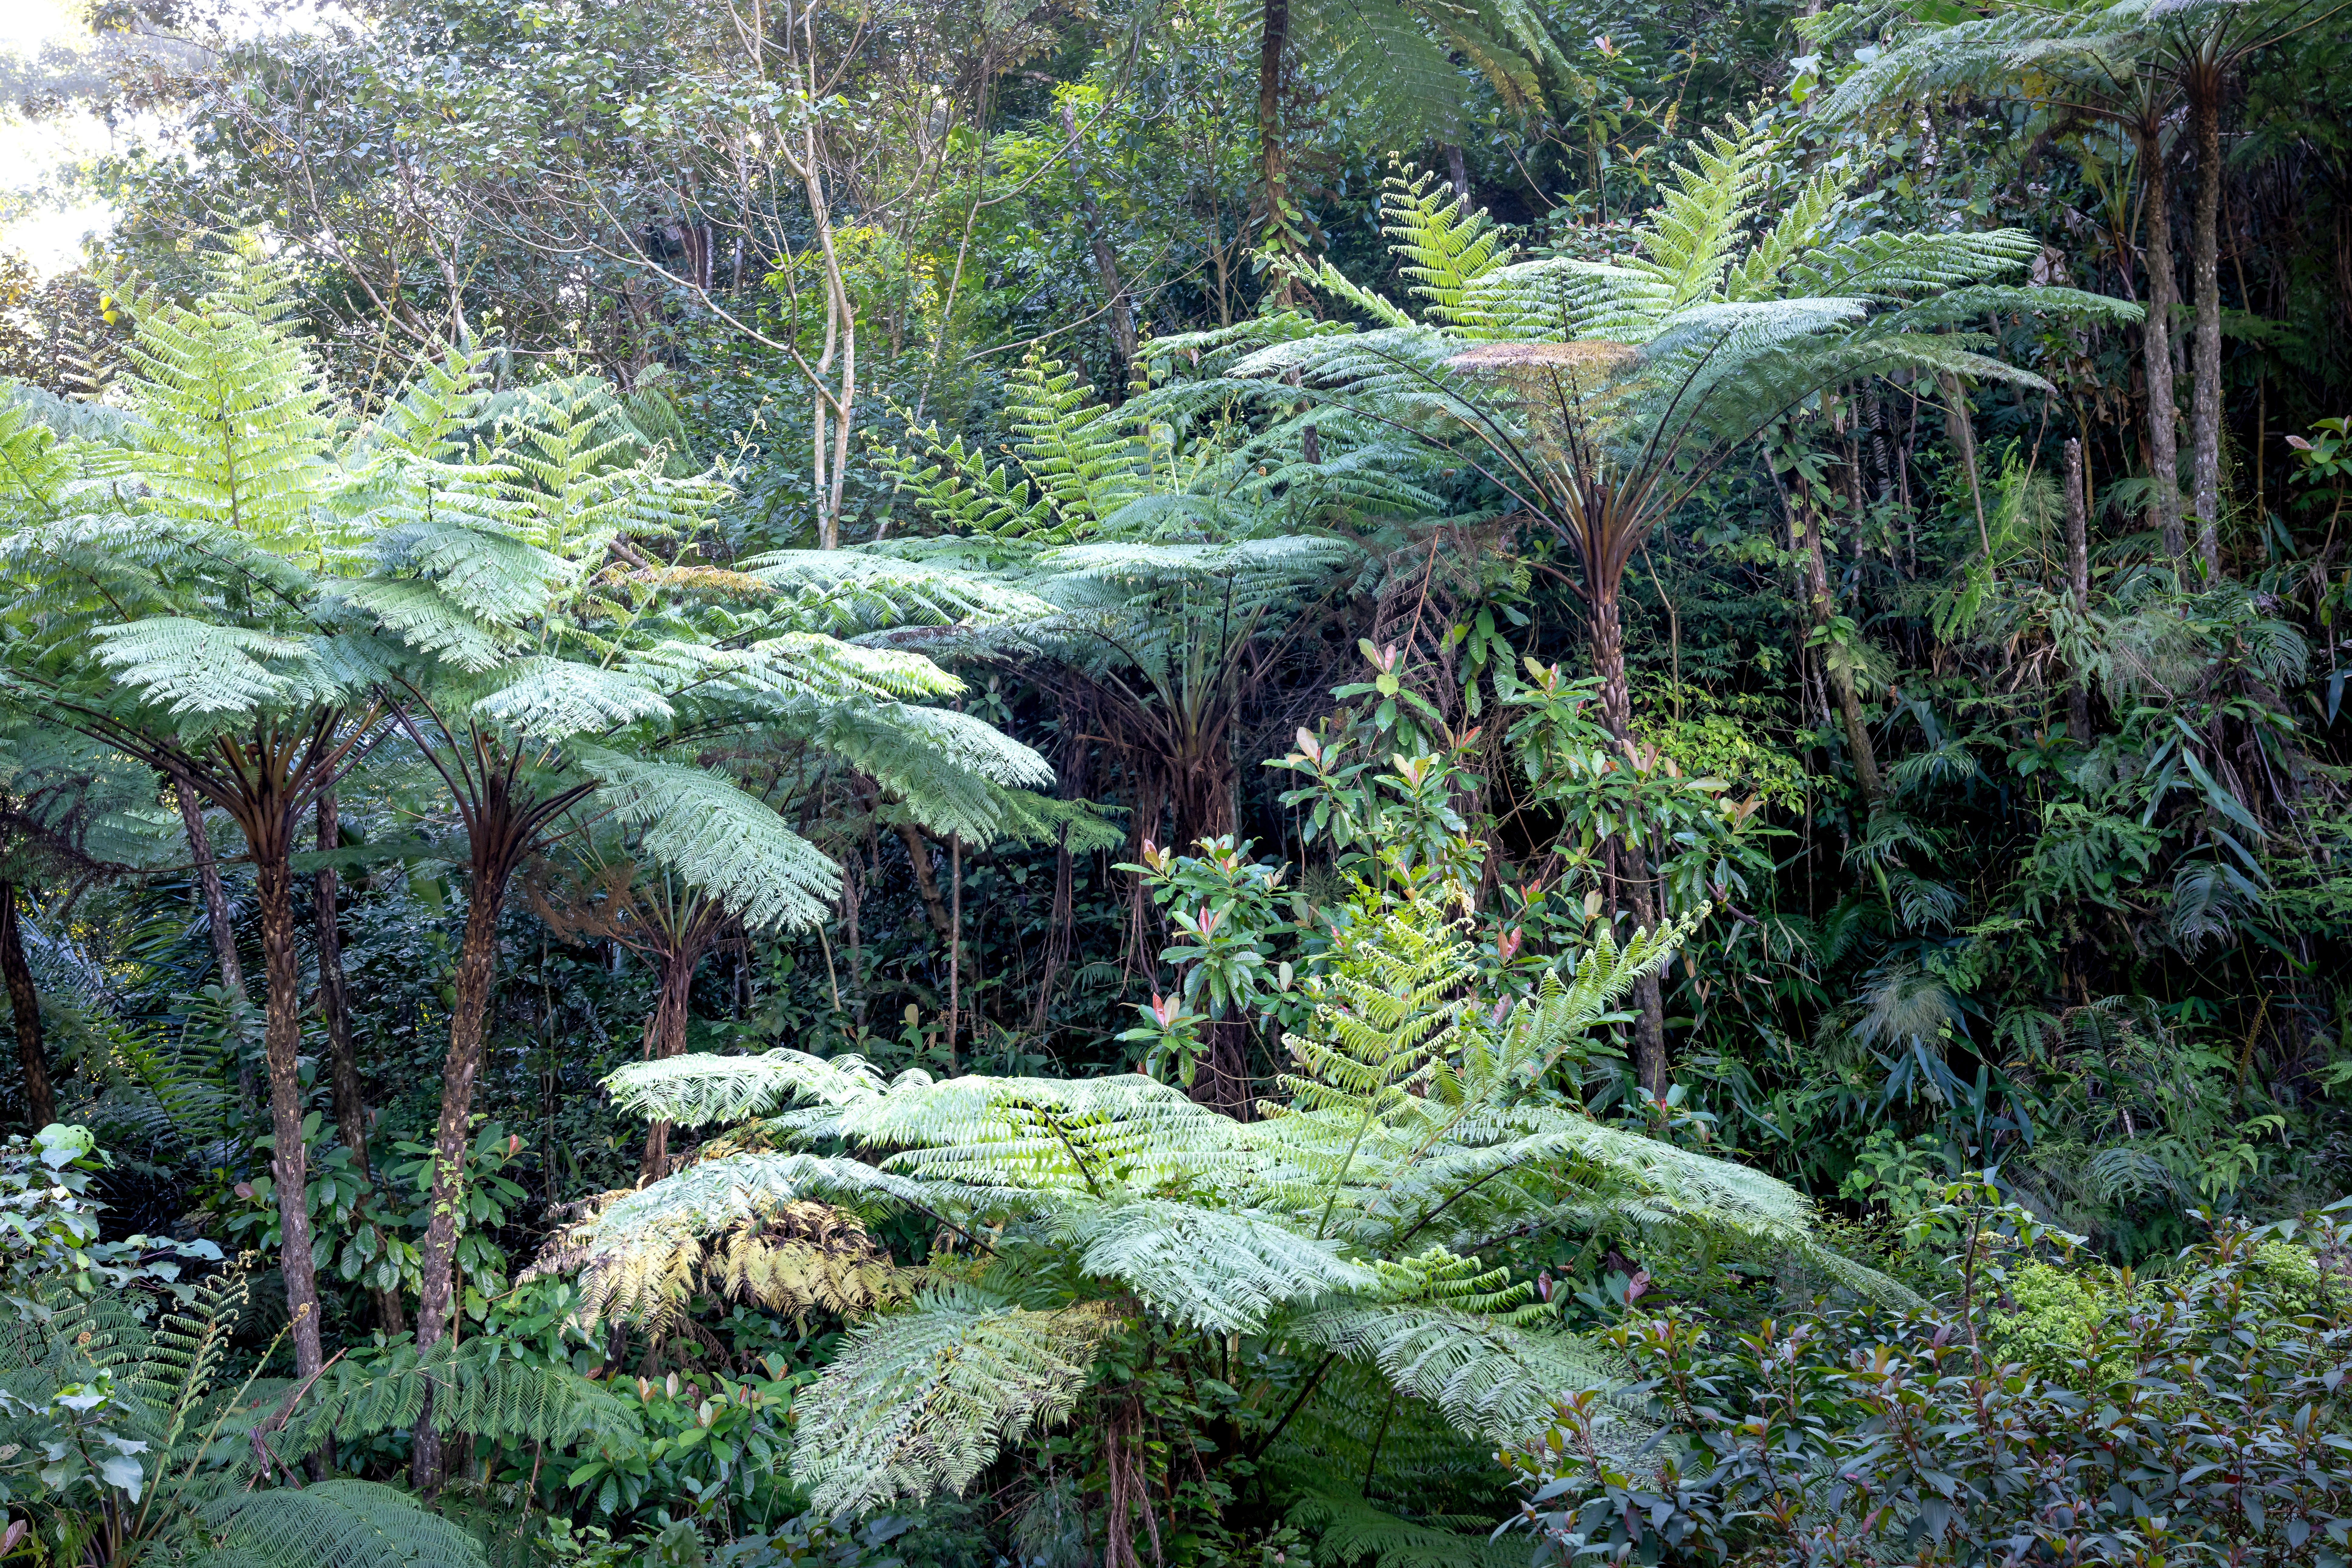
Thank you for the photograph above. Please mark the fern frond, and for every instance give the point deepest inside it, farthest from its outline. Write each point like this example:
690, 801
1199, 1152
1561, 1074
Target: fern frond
1217, 1270
922, 1401
336, 1524
719, 839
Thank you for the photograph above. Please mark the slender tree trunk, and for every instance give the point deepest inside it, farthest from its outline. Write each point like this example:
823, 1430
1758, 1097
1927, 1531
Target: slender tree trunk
1221, 1078
1122, 323
335, 1007
1456, 172
208, 879
2163, 417
1960, 424
2205, 392
926, 886
273, 882
1273, 164
1633, 870
24, 1001
1805, 534
666, 1037
1058, 933
2078, 581
477, 957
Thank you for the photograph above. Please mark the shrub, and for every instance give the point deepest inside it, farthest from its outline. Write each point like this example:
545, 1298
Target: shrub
1848, 1435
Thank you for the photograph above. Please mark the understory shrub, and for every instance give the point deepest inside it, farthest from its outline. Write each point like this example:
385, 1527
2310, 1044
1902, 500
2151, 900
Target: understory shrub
2196, 1416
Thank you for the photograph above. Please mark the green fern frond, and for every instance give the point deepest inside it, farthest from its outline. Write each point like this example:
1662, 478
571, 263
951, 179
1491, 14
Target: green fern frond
719, 839
922, 1401
1350, 1529
335, 1524
1206, 1268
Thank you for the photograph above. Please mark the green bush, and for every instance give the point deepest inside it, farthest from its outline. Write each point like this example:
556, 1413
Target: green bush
2197, 1416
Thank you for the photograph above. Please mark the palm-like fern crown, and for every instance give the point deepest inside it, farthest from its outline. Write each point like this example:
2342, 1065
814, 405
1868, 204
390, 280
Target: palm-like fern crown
1416, 1127
2068, 54
171, 561
514, 564
1597, 395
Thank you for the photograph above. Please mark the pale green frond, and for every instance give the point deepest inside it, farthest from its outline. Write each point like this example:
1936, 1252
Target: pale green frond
1482, 1374
1444, 249
486, 572
733, 847
698, 1090
424, 617
476, 1387
1691, 238
1040, 1138
1803, 219
922, 1401
717, 1194
204, 666
555, 698
1219, 1271
850, 591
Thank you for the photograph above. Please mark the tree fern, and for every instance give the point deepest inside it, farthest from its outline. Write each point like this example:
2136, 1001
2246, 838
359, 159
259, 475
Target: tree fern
1344, 1228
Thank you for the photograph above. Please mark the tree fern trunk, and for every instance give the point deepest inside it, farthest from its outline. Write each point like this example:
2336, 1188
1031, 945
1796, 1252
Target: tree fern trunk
208, 879
2205, 393
270, 834
666, 1037
496, 852
1805, 534
24, 1002
2163, 435
2078, 583
1273, 166
1633, 879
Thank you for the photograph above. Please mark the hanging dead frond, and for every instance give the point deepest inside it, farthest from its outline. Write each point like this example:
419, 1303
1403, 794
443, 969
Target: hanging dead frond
792, 1257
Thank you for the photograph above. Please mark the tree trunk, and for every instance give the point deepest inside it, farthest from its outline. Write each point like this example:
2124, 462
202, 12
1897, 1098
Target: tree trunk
666, 1037
477, 957
1122, 323
1221, 1077
1959, 424
1457, 172
335, 1007
2163, 418
1273, 166
24, 1002
1805, 534
208, 877
2078, 581
2205, 393
926, 886
1633, 870
273, 882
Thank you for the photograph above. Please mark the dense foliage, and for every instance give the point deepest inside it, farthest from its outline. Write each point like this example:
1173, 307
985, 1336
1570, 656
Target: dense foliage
1300, 782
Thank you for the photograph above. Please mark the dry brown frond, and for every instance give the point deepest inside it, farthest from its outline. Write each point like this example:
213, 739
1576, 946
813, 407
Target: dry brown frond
799, 1256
